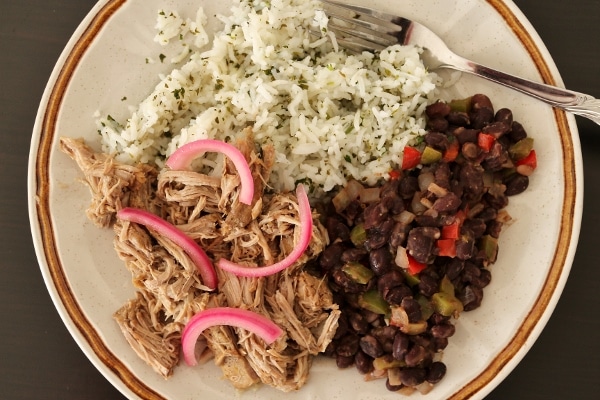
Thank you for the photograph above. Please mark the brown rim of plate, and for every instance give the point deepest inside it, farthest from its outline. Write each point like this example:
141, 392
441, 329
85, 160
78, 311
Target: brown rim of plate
142, 390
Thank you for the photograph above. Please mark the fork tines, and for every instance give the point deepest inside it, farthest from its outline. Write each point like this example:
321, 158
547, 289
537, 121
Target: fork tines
359, 29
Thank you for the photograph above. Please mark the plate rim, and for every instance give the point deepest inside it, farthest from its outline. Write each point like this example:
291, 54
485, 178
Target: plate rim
91, 342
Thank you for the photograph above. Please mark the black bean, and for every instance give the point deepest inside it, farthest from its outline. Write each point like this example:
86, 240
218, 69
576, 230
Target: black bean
477, 226
380, 260
437, 140
393, 202
504, 115
343, 361
412, 308
444, 330
399, 234
370, 316
454, 268
480, 100
337, 229
348, 346
345, 282
342, 328
482, 111
442, 175
439, 344
330, 257
330, 350
470, 272
352, 299
438, 124
412, 376
408, 187
494, 228
428, 285
364, 363
458, 118
358, 323
401, 346
374, 215
417, 355
471, 151
481, 118
488, 214
354, 209
496, 198
422, 340
386, 227
375, 239
435, 372
371, 346
390, 280
517, 132
471, 297
439, 109
465, 135
421, 241
447, 204
395, 295
390, 188
437, 318
385, 335
465, 244
496, 129
483, 279
353, 254
516, 184
427, 220
471, 178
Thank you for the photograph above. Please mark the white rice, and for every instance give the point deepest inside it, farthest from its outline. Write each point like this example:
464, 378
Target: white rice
331, 115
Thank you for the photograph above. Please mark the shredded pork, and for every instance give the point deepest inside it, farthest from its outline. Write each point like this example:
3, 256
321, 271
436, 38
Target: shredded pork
169, 289
114, 185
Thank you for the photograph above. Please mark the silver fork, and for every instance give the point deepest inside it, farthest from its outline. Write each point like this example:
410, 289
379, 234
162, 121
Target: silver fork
363, 29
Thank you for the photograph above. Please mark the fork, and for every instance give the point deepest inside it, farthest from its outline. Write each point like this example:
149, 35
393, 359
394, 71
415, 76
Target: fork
362, 29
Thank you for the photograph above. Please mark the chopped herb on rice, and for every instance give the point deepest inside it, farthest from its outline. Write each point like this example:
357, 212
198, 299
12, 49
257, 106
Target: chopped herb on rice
318, 105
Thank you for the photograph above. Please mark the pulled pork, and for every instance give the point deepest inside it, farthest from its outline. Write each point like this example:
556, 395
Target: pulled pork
169, 289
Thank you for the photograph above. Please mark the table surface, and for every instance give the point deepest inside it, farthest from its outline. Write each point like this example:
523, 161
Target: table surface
38, 357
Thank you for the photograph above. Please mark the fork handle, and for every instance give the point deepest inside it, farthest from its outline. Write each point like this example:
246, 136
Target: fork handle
568, 100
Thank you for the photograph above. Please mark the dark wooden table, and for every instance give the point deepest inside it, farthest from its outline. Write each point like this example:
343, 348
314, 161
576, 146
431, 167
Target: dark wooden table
40, 360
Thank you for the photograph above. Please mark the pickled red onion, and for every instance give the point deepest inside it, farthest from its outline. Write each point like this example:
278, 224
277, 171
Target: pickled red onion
306, 226
192, 249
246, 319
182, 159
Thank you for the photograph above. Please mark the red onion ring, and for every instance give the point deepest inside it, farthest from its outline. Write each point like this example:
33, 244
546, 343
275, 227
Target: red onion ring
182, 159
245, 319
306, 226
193, 250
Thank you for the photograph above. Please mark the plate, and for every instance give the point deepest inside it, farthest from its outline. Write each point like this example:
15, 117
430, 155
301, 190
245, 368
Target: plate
103, 68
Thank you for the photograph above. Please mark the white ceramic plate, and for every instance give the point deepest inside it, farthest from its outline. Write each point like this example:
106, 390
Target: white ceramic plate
105, 62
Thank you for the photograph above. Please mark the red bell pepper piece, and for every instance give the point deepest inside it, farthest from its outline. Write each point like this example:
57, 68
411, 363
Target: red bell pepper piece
530, 160
452, 151
446, 247
414, 267
411, 157
485, 141
395, 175
451, 231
